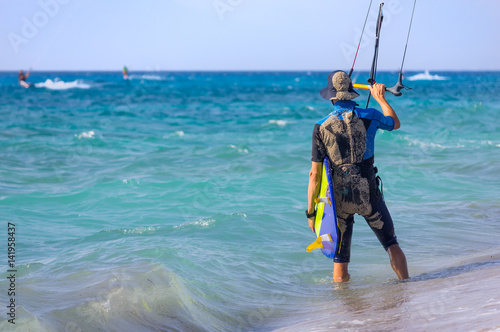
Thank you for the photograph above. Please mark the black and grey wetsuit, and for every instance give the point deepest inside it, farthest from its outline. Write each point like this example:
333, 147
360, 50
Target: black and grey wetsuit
347, 137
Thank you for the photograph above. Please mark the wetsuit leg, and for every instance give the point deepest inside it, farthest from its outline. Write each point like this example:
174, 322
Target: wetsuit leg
344, 230
380, 220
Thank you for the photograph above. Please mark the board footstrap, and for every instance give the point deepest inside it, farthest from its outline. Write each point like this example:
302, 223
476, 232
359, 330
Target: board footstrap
323, 200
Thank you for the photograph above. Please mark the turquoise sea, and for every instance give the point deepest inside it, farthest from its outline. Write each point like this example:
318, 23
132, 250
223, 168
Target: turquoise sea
174, 201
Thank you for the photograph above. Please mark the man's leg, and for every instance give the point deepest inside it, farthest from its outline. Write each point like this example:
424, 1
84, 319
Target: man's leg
343, 254
340, 273
398, 261
381, 223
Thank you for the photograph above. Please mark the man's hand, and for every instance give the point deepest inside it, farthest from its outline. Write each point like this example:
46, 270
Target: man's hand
311, 223
313, 189
378, 92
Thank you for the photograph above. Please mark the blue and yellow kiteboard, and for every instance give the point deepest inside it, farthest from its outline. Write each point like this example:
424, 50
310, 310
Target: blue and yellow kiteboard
325, 223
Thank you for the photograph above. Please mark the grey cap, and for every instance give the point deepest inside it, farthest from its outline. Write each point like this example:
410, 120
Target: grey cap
339, 87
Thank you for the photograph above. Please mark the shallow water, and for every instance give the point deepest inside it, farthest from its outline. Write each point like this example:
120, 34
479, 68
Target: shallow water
174, 201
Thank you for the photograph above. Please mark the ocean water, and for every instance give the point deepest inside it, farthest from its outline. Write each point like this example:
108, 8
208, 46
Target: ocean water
175, 202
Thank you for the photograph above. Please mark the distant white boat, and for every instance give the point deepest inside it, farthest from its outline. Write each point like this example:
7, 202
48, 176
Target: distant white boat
426, 77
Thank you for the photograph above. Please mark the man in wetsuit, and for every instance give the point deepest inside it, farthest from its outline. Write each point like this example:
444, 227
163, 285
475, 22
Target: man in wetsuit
346, 136
21, 77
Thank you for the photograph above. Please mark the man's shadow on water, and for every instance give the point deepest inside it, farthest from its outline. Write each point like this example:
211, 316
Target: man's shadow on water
453, 271
393, 294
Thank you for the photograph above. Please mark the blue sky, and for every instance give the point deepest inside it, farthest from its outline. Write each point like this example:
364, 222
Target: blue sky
245, 34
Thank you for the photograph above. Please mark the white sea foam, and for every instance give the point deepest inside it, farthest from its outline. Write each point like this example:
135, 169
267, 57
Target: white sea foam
201, 222
480, 142
237, 148
432, 145
490, 143
57, 84
280, 123
146, 77
426, 76
179, 133
151, 77
88, 134
131, 181
139, 230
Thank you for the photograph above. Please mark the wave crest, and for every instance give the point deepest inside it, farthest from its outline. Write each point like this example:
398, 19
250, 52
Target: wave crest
57, 84
426, 76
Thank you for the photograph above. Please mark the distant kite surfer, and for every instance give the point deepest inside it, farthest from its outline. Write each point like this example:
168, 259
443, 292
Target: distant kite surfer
125, 73
22, 77
346, 137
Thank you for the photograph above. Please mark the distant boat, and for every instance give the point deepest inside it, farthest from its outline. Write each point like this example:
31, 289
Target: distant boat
426, 76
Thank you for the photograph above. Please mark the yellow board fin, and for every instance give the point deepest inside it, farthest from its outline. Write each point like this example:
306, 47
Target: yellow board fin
318, 243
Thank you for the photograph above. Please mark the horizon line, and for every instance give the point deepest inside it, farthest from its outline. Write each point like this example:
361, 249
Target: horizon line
240, 70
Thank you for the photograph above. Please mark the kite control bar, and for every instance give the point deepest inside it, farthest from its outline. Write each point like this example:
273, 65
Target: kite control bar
395, 90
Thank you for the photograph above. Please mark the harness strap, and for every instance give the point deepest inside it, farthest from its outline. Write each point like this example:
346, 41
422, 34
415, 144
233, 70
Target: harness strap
381, 184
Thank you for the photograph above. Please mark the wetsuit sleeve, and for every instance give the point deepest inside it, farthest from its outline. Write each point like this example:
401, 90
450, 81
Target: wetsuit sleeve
318, 148
383, 122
